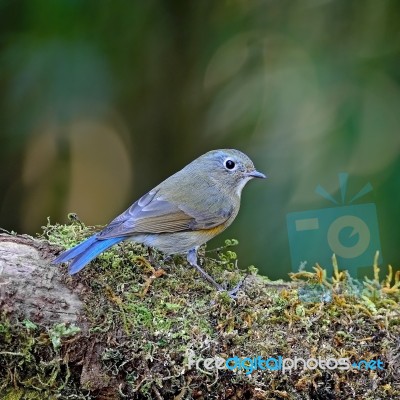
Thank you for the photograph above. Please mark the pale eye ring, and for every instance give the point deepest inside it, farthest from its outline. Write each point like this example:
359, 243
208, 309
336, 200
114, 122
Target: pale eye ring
229, 164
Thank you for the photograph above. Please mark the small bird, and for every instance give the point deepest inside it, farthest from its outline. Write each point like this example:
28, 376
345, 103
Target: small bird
180, 214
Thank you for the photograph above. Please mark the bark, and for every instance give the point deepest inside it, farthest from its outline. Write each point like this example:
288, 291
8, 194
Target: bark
30, 285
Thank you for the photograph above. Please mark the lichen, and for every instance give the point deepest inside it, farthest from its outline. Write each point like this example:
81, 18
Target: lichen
144, 312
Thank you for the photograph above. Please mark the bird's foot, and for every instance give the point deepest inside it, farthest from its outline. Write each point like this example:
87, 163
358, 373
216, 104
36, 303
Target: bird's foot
232, 293
192, 259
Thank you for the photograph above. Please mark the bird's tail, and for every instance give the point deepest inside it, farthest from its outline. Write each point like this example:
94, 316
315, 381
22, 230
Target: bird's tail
85, 252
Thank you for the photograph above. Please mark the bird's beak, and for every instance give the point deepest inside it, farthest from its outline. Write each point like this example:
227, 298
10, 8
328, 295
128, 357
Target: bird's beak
255, 174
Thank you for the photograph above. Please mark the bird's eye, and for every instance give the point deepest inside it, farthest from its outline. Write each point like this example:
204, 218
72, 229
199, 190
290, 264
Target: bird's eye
229, 164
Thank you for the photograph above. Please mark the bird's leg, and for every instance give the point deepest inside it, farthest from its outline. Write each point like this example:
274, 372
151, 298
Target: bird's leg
152, 259
192, 260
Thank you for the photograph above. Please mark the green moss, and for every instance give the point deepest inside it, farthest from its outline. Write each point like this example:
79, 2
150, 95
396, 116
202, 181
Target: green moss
144, 312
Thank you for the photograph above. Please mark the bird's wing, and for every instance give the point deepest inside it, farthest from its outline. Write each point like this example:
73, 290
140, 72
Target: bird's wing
153, 214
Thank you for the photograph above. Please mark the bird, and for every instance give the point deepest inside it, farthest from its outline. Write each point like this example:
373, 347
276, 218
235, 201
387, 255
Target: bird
180, 214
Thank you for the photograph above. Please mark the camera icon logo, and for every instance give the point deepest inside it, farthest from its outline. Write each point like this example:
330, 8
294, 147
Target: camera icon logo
351, 232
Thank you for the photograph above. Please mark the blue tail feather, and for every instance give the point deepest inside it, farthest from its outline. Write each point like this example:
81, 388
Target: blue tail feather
75, 251
91, 252
85, 252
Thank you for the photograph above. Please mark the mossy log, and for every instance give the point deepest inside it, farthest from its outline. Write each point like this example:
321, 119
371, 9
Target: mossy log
29, 286
124, 326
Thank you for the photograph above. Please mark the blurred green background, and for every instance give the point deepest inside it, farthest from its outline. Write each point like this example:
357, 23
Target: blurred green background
102, 100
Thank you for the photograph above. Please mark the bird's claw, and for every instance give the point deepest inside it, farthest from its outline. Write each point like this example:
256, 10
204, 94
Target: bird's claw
233, 292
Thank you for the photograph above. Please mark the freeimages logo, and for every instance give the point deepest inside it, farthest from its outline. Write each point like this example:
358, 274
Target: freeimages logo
349, 231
